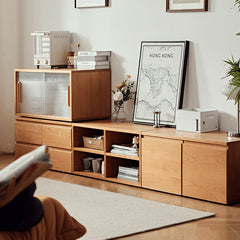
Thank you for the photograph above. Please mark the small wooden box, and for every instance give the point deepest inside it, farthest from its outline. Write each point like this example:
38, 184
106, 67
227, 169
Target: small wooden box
94, 143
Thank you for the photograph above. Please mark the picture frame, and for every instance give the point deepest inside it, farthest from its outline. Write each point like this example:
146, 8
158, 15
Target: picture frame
91, 3
186, 5
160, 81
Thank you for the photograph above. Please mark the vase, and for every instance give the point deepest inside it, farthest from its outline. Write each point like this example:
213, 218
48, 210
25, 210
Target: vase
119, 114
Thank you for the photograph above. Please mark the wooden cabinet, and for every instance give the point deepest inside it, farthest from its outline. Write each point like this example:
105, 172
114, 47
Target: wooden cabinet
210, 166
211, 172
31, 133
199, 165
204, 171
63, 94
57, 136
61, 159
21, 149
161, 164
28, 132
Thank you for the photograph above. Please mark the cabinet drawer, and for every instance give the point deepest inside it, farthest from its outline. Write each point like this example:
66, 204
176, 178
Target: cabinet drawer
28, 132
57, 136
61, 159
21, 149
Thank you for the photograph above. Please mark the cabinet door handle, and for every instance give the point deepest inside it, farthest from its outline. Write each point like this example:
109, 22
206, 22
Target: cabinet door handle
19, 87
69, 95
197, 125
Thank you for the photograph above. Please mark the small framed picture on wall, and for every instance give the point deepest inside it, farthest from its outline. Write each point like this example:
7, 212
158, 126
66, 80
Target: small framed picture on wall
186, 5
91, 3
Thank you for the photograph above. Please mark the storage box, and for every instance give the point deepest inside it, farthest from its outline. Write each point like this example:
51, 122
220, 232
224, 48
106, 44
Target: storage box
93, 142
197, 120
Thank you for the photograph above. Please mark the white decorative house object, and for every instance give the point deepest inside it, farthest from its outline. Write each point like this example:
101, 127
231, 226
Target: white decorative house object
197, 120
50, 48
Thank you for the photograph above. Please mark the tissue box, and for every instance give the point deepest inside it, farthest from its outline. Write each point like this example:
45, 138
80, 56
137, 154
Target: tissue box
197, 120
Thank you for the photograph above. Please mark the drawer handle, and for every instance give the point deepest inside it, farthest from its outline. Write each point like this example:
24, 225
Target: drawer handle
19, 86
69, 95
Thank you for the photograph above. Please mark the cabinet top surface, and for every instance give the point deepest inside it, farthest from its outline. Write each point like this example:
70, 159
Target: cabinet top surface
127, 127
57, 70
219, 138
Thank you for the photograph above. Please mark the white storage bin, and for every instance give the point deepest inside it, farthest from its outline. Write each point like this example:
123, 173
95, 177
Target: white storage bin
197, 120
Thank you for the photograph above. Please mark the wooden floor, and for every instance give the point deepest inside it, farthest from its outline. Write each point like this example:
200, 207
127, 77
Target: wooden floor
225, 225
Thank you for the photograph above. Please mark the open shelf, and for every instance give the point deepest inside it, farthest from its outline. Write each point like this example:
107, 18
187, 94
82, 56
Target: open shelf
79, 133
128, 182
90, 174
123, 156
88, 150
112, 161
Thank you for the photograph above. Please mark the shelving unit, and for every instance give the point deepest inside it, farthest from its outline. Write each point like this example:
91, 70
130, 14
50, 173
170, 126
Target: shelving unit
112, 134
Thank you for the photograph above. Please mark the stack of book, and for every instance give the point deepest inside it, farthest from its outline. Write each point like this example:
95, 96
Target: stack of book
90, 60
124, 149
128, 173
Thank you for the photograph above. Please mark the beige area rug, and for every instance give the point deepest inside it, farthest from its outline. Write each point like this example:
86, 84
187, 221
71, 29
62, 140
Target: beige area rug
108, 215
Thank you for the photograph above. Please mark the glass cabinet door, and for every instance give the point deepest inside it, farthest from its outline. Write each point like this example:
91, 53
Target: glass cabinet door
30, 95
43, 94
56, 87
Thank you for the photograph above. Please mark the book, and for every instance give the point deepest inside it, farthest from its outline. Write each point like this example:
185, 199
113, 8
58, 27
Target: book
93, 63
92, 67
130, 171
91, 58
94, 53
126, 177
125, 147
124, 152
38, 157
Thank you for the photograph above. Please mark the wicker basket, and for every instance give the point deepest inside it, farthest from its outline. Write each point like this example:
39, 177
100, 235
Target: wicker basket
93, 143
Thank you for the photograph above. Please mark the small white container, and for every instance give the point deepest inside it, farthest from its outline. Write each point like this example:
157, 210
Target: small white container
102, 170
197, 120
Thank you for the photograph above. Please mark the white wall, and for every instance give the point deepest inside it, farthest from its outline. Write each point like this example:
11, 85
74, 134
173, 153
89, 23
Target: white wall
8, 61
121, 28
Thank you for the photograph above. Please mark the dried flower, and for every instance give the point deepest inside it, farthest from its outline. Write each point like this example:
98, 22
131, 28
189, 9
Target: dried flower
125, 88
117, 96
119, 86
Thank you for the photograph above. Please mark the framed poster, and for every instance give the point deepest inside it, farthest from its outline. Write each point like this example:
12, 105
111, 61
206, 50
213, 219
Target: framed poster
91, 3
160, 81
186, 5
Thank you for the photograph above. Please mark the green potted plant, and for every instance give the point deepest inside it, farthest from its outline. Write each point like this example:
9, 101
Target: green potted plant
233, 88
237, 4
233, 72
233, 75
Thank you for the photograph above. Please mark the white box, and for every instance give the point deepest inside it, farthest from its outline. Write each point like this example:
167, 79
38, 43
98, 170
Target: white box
197, 120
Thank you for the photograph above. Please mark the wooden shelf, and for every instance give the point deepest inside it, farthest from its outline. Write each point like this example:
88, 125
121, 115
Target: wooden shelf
88, 150
90, 174
113, 134
123, 181
102, 177
122, 156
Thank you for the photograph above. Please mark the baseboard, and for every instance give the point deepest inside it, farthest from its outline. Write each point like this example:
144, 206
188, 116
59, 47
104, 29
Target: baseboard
7, 149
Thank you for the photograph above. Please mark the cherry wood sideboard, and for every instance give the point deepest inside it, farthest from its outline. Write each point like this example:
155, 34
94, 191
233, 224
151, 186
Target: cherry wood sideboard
199, 165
